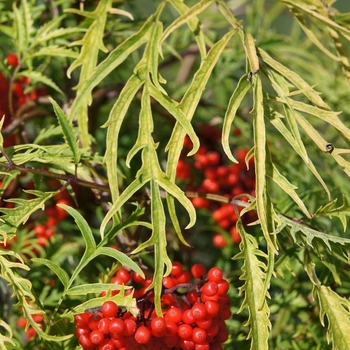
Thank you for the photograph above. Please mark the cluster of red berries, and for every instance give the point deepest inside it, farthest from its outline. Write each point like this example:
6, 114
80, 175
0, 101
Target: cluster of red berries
194, 314
209, 171
19, 97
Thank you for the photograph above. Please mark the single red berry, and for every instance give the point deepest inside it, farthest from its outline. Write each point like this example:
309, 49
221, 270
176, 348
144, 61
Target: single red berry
176, 269
85, 342
12, 59
123, 275
185, 331
210, 288
173, 314
81, 320
198, 271
117, 325
215, 274
109, 309
143, 335
97, 337
199, 335
199, 311
103, 325
158, 326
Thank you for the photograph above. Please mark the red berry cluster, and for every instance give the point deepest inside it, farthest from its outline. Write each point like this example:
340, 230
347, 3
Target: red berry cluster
194, 314
210, 172
19, 97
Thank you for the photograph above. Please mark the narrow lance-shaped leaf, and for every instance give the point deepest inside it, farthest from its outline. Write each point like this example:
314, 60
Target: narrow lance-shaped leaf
260, 159
250, 49
241, 90
68, 131
114, 123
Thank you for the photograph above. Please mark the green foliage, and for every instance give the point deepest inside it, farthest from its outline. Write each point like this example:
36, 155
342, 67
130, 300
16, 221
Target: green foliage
123, 98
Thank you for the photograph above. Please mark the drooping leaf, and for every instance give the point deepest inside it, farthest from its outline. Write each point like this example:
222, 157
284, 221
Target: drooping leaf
253, 275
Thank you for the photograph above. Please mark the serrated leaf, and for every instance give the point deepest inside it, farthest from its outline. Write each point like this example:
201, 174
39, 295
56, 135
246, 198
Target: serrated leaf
337, 310
253, 275
14, 217
55, 268
5, 338
68, 131
241, 90
308, 234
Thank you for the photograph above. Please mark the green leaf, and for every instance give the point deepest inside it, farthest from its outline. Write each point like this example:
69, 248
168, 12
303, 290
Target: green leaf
187, 16
193, 23
113, 60
173, 108
55, 51
336, 308
24, 208
295, 79
260, 159
120, 299
96, 288
241, 90
250, 50
68, 131
55, 268
308, 234
188, 106
253, 288
159, 240
276, 121
286, 186
5, 328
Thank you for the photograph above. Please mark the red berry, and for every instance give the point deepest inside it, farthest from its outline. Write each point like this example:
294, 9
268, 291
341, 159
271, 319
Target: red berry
198, 271
158, 326
143, 335
109, 309
85, 341
215, 274
210, 288
12, 59
176, 269
97, 337
185, 331
199, 311
103, 325
117, 325
174, 314
199, 335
